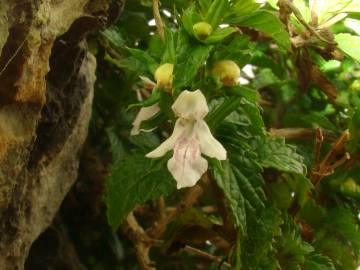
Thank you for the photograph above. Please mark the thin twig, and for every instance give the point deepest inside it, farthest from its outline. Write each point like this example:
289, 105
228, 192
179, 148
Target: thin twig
190, 198
158, 21
161, 208
318, 144
195, 251
141, 242
300, 18
329, 163
300, 133
206, 255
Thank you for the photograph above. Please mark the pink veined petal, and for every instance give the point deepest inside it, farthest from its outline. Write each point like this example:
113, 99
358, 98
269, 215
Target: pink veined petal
187, 165
208, 144
180, 128
190, 105
144, 114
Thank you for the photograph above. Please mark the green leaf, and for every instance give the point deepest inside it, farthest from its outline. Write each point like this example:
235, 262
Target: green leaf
338, 251
169, 54
165, 103
189, 18
248, 190
216, 117
257, 249
281, 194
242, 8
316, 120
274, 153
219, 35
303, 9
154, 98
328, 9
216, 12
268, 23
265, 78
145, 58
349, 44
242, 91
113, 35
134, 181
226, 180
204, 6
318, 262
190, 58
343, 221
117, 147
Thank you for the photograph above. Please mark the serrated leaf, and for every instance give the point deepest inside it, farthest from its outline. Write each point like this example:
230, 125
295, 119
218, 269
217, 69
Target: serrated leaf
349, 44
247, 189
257, 249
134, 181
226, 180
190, 58
274, 153
268, 23
216, 117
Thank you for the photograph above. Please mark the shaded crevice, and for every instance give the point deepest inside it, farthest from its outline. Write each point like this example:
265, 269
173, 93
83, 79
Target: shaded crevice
14, 52
65, 91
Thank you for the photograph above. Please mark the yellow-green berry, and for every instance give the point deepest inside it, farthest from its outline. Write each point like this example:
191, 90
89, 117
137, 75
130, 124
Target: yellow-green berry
227, 71
202, 30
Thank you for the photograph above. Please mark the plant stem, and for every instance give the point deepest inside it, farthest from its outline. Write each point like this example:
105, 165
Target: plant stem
158, 21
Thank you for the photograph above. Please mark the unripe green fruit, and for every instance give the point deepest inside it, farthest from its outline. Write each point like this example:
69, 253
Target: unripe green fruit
227, 71
164, 76
202, 30
355, 85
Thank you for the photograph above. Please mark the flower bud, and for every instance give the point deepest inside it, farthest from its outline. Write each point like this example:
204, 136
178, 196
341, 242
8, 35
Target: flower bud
164, 76
227, 71
202, 30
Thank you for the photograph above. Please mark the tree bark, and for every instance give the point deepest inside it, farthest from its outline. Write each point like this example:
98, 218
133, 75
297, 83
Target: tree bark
46, 88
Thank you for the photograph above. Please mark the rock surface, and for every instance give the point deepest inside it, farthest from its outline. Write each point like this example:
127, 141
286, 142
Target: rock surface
46, 88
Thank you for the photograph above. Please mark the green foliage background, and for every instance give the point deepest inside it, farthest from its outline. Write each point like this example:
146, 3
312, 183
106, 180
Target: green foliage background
272, 210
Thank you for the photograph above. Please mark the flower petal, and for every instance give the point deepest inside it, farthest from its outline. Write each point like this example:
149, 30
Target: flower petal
190, 105
208, 144
149, 84
144, 114
180, 128
187, 165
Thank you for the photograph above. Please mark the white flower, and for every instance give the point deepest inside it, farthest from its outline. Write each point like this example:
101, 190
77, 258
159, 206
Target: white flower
190, 138
144, 114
